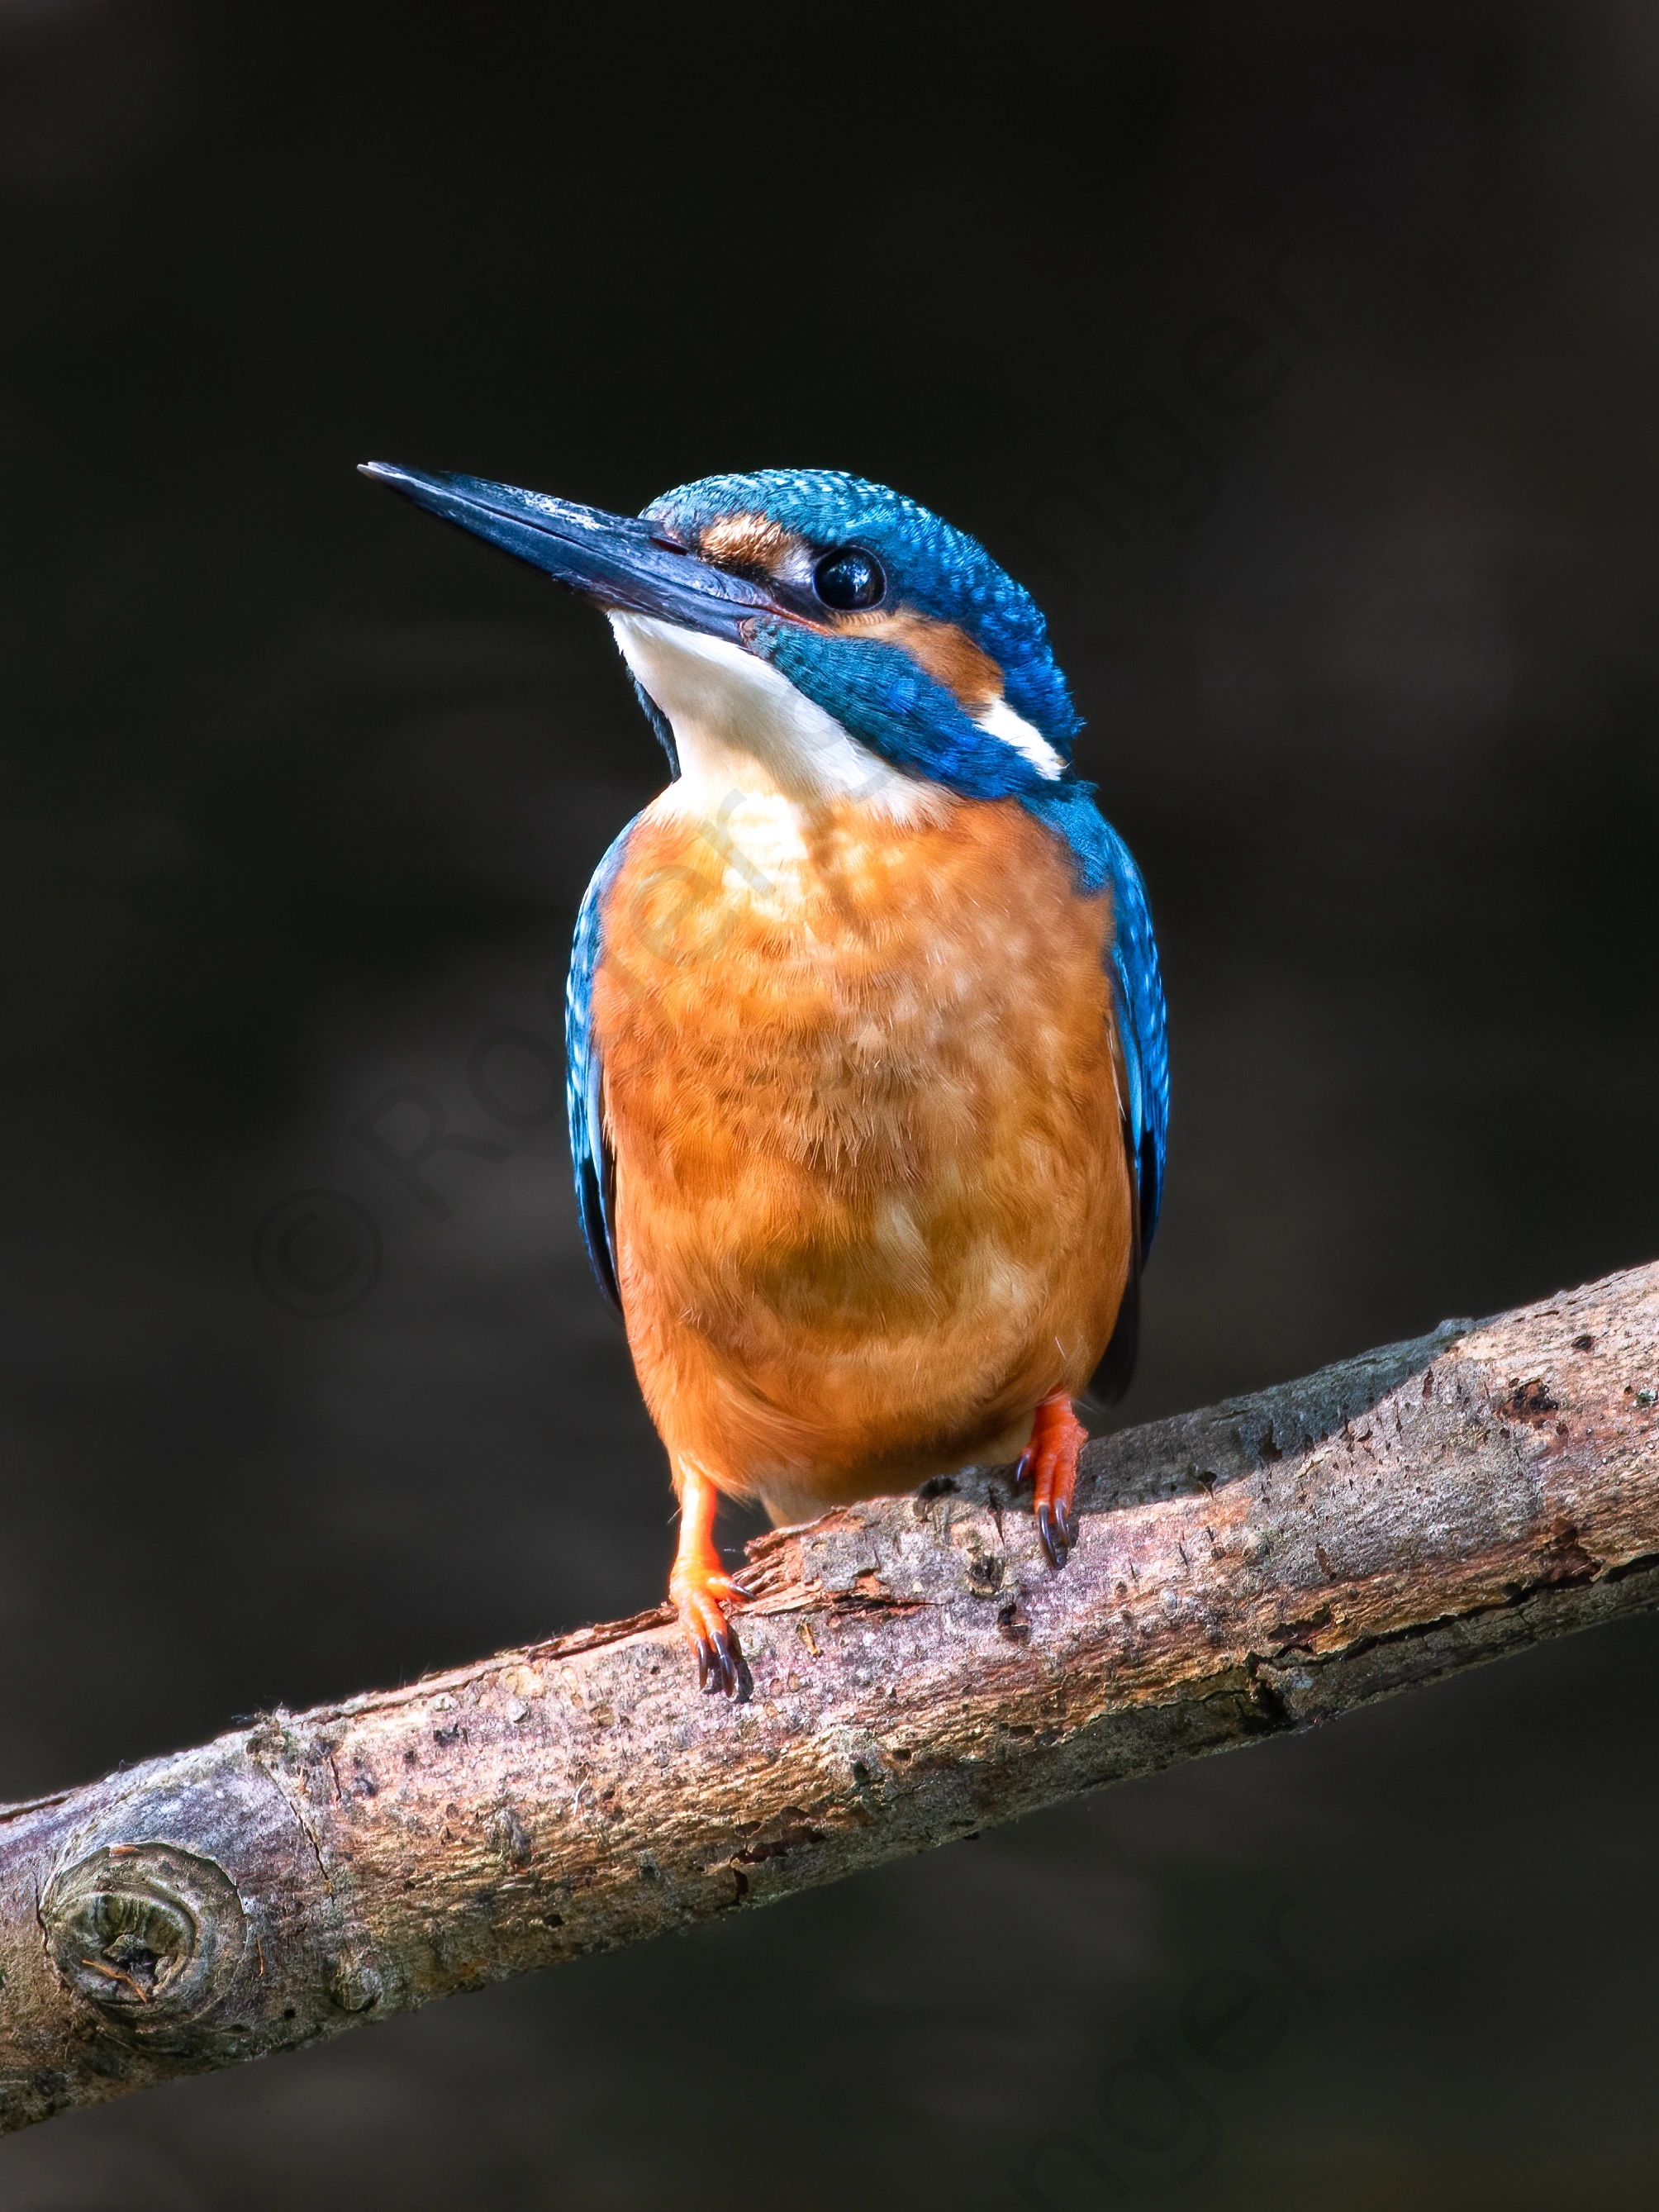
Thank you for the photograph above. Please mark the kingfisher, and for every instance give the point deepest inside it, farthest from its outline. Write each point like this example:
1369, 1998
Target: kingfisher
868, 1078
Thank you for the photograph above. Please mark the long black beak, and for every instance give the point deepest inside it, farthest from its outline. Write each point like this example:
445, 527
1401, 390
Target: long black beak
615, 559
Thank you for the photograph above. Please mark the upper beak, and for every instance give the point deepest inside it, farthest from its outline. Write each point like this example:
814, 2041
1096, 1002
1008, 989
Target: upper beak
615, 559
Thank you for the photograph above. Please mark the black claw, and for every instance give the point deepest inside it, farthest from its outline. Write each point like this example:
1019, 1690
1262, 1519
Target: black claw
721, 1669
1057, 1540
1023, 1470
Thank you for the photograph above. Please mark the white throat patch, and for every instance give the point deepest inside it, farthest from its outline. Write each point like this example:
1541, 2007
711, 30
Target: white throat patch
741, 727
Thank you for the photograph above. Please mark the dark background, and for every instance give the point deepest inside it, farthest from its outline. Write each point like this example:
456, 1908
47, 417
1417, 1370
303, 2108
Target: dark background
1303, 360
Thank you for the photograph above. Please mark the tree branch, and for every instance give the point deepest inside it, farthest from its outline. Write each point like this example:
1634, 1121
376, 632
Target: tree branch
917, 1673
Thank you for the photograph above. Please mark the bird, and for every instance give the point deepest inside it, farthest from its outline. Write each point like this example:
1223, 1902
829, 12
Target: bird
867, 1060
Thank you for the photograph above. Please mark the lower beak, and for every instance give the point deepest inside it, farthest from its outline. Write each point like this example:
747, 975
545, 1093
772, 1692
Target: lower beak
614, 559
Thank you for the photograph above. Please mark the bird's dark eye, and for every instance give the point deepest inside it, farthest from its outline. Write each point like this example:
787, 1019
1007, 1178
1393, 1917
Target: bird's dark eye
849, 578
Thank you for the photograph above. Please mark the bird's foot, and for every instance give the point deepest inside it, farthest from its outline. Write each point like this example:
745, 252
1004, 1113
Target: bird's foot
1048, 1464
703, 1592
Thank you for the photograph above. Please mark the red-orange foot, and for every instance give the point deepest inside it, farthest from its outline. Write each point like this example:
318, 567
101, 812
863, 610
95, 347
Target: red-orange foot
700, 1587
1048, 1464
704, 1592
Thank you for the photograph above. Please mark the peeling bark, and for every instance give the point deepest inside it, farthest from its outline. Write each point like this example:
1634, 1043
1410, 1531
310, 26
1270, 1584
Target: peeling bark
916, 1672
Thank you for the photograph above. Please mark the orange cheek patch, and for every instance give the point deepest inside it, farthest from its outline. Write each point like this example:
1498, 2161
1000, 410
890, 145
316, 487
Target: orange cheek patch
947, 653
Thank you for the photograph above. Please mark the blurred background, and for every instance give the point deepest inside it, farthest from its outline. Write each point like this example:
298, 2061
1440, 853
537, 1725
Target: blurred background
1303, 363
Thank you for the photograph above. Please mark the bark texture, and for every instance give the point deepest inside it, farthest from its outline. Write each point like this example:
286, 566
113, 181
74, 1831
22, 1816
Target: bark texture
917, 1672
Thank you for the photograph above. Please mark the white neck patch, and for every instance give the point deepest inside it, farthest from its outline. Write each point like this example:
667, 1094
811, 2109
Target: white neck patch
999, 720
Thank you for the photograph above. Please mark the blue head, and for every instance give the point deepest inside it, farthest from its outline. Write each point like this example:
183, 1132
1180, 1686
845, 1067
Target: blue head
882, 593
845, 635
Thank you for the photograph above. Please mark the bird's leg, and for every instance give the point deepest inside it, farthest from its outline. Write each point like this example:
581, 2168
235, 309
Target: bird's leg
699, 1587
1048, 1464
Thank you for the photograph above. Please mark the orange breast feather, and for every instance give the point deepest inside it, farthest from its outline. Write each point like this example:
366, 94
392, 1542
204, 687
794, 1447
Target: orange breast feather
872, 1202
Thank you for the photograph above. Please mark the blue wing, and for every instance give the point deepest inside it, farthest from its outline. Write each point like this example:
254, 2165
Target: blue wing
589, 1155
1137, 1008
1138, 987
1103, 862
